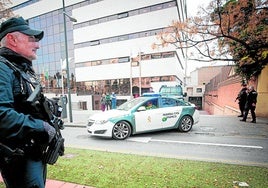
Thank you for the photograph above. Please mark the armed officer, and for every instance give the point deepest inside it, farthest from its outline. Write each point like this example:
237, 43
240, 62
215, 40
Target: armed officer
251, 104
21, 132
242, 98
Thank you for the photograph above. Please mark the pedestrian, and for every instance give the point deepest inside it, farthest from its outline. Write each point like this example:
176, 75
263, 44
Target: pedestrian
242, 98
21, 134
108, 101
251, 104
113, 100
103, 102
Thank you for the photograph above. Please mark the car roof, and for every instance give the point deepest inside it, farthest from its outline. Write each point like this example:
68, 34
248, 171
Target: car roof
151, 95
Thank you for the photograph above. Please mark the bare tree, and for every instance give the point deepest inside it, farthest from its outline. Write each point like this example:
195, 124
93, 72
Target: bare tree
234, 30
5, 11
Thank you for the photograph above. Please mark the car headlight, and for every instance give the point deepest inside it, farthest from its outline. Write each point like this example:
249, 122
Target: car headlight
101, 121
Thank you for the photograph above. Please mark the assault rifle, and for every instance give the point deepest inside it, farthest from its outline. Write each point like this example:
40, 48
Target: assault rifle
51, 112
7, 154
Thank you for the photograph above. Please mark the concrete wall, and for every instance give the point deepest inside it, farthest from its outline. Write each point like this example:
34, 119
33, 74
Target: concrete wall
262, 89
222, 100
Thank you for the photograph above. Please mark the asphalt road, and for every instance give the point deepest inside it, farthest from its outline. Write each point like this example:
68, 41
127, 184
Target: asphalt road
215, 138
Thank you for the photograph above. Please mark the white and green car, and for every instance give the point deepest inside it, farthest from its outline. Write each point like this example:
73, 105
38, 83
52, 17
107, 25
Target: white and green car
143, 114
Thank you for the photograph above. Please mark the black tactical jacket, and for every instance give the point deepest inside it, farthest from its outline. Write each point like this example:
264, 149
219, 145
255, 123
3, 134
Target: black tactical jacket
17, 125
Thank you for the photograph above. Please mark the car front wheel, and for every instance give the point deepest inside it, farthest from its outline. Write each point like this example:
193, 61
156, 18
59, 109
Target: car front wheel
121, 130
186, 124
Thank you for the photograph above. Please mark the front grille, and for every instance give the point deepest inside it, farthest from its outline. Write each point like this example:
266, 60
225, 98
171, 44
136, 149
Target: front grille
100, 132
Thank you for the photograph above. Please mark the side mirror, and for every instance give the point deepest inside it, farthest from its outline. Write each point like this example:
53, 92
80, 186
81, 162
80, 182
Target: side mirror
185, 94
141, 108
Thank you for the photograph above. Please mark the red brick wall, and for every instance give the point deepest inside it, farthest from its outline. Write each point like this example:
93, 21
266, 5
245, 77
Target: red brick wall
222, 100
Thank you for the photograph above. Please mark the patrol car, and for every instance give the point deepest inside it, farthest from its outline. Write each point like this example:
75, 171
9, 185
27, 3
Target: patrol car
135, 117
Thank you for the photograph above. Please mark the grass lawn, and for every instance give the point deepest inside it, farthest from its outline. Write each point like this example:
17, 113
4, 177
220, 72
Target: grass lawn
114, 170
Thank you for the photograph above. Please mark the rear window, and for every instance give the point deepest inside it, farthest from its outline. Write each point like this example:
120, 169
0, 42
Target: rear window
169, 102
171, 90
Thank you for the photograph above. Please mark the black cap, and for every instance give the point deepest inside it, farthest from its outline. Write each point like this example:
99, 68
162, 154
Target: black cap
20, 25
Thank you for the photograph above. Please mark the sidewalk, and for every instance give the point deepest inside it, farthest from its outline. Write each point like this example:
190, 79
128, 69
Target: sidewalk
59, 184
220, 125
209, 124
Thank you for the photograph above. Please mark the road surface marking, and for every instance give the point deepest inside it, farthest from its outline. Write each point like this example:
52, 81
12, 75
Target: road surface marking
209, 144
139, 139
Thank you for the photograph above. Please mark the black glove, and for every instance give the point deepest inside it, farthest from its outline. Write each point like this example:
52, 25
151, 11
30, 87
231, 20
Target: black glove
50, 131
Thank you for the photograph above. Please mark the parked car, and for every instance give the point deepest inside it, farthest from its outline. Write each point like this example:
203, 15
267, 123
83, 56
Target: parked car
143, 114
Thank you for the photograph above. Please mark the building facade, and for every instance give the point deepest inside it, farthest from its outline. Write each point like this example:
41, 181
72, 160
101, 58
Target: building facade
196, 83
109, 47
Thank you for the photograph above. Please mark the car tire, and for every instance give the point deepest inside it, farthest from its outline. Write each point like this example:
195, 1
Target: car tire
185, 124
121, 130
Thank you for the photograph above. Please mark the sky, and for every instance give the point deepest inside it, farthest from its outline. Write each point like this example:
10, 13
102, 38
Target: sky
192, 6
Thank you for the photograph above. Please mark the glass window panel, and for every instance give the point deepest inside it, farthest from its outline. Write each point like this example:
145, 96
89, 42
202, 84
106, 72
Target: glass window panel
168, 54
198, 90
95, 42
122, 15
44, 50
134, 13
133, 36
124, 37
123, 59
56, 29
51, 48
156, 7
113, 17
156, 56
144, 10
43, 23
49, 31
169, 4
45, 58
105, 19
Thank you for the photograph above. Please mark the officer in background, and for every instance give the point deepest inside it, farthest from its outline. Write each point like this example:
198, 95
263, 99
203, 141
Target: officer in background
113, 100
108, 102
242, 98
251, 104
21, 134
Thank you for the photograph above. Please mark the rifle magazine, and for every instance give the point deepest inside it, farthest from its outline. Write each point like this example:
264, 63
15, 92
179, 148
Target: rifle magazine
53, 151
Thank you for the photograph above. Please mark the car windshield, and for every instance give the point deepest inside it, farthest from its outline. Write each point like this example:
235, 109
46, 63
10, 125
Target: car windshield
130, 104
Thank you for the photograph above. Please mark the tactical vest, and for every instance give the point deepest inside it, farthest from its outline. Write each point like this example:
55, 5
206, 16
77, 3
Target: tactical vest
24, 85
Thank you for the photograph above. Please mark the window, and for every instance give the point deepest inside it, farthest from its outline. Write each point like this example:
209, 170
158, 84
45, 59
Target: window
123, 37
167, 102
95, 42
144, 10
198, 90
122, 15
156, 7
156, 56
168, 54
169, 4
123, 59
102, 20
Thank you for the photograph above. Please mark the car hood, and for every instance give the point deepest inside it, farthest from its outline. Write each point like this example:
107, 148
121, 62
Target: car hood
108, 114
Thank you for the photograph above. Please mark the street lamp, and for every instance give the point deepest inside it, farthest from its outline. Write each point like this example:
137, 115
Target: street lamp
67, 60
140, 85
130, 77
139, 73
72, 19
